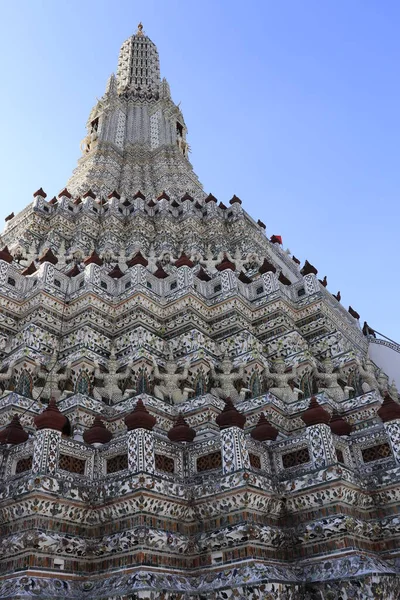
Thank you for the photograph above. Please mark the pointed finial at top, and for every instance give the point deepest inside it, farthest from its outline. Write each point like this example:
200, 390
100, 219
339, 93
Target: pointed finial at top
139, 29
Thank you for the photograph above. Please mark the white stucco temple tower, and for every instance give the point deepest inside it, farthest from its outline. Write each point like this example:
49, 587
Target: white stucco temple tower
186, 411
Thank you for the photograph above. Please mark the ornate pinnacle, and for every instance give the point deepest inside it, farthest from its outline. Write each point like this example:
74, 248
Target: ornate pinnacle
139, 32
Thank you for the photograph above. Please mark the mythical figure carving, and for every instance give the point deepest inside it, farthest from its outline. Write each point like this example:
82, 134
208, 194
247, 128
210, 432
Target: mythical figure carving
110, 388
6, 376
282, 380
226, 379
170, 388
368, 373
52, 379
330, 381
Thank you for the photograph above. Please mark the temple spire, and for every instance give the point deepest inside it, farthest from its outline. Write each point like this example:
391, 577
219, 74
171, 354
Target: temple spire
136, 134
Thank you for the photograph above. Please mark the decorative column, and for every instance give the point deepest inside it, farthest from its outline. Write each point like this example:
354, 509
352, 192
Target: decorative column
235, 455
13, 433
185, 273
319, 435
38, 199
140, 439
5, 260
389, 412
46, 447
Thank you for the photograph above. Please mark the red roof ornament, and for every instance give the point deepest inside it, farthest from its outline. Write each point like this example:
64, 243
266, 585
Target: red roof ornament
184, 261
50, 418
339, 426
367, 330
40, 193
30, 270
139, 195
261, 224
13, 433
48, 256
181, 432
235, 200
65, 193
89, 194
354, 313
276, 239
390, 409
73, 272
222, 206
210, 198
267, 267
323, 281
10, 217
93, 259
163, 196
97, 433
296, 260
187, 197
243, 278
264, 431
53, 201
138, 259
308, 268
77, 201
225, 264
230, 416
337, 296
202, 275
140, 418
315, 414
160, 273
114, 194
284, 279
116, 272
5, 255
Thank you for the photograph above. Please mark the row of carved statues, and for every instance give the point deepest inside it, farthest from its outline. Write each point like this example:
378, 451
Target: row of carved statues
172, 381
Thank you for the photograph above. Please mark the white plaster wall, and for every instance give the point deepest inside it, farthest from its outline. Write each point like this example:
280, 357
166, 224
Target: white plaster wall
387, 359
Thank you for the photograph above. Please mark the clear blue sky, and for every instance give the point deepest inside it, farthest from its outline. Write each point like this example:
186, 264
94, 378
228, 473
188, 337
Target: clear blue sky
291, 105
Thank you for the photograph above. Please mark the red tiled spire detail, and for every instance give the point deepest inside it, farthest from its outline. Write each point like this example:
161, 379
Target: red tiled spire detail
315, 414
97, 433
50, 418
140, 418
181, 431
13, 433
230, 416
264, 431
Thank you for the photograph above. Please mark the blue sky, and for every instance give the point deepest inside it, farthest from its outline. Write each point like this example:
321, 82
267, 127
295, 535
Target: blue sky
291, 105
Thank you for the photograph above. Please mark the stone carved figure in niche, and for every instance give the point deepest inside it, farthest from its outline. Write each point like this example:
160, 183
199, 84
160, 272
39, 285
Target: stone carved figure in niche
330, 381
182, 145
111, 380
283, 388
226, 379
252, 261
170, 389
367, 371
7, 375
166, 258
49, 378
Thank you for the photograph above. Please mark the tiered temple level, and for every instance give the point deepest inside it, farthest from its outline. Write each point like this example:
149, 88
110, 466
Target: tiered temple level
164, 326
